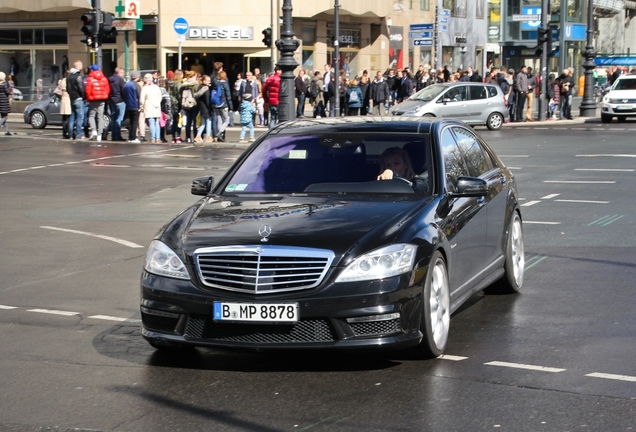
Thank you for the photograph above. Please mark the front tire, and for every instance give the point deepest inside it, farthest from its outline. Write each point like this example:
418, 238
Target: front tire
38, 120
495, 121
436, 310
514, 266
606, 118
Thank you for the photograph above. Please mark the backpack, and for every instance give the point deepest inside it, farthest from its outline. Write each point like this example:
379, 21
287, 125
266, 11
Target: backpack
187, 99
313, 89
216, 96
353, 96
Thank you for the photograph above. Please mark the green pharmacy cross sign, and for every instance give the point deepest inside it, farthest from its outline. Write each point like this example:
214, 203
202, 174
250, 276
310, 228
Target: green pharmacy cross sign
120, 9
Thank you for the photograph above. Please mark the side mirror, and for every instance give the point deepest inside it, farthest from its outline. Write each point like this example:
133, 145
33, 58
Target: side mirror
470, 187
446, 100
202, 185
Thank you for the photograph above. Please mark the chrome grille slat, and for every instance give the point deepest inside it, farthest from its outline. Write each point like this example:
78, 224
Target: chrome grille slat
262, 269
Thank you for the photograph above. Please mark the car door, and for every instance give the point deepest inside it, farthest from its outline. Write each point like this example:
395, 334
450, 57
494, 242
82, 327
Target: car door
480, 164
53, 115
466, 219
478, 104
453, 103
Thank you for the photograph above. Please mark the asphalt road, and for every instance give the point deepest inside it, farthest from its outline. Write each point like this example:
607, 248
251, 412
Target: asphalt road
75, 221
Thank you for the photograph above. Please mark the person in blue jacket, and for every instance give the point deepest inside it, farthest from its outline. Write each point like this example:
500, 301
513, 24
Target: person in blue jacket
131, 94
354, 98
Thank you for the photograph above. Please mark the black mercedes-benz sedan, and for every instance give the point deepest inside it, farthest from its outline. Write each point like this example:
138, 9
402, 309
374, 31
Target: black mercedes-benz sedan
353, 233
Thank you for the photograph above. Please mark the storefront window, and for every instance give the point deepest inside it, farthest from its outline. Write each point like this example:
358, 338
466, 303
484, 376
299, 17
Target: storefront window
147, 59
147, 36
55, 36
348, 61
9, 37
34, 72
349, 38
47, 36
309, 36
308, 60
457, 7
26, 37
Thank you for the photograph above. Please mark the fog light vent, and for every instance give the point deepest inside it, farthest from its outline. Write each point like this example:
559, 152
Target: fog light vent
375, 325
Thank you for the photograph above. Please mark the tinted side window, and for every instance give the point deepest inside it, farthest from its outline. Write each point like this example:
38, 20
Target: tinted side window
477, 160
492, 91
454, 165
477, 92
457, 93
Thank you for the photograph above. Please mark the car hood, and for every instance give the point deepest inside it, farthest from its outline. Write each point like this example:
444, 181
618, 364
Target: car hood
622, 94
352, 226
408, 106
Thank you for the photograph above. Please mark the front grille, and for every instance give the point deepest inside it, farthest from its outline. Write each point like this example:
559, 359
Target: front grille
623, 101
262, 269
375, 327
159, 323
304, 331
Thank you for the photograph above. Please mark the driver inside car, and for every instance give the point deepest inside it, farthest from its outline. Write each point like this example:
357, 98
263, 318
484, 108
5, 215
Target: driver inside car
396, 164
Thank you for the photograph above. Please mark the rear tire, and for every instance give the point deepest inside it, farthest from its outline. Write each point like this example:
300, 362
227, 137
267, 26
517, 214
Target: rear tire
606, 118
436, 310
494, 122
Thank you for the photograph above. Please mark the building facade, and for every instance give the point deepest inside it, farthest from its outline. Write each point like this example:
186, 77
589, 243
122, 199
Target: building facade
40, 39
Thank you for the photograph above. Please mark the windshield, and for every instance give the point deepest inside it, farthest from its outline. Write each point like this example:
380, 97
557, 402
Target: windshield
333, 164
625, 84
429, 93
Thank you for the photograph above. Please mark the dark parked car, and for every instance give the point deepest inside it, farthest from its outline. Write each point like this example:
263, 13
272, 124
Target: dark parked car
47, 113
300, 245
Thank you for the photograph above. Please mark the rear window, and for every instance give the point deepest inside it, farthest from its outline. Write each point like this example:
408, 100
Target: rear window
305, 164
492, 91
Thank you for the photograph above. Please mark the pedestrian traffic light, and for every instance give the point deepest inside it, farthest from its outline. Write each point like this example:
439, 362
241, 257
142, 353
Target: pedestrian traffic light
543, 35
267, 37
108, 31
89, 28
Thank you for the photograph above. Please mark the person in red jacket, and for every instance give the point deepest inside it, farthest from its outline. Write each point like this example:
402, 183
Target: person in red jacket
271, 94
97, 92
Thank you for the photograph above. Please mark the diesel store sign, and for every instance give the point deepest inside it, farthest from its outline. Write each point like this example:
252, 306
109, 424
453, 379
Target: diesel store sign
229, 33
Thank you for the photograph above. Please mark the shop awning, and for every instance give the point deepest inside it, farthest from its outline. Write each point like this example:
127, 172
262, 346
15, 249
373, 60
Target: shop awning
263, 53
615, 61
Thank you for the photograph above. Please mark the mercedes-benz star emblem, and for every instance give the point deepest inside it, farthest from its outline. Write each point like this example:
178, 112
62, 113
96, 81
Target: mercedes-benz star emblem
265, 231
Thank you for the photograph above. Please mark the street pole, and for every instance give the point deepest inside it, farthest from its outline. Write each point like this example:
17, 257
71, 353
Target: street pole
336, 54
287, 45
588, 105
438, 35
545, 24
98, 37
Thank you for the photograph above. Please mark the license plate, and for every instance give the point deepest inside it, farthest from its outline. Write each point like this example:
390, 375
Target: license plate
623, 107
256, 312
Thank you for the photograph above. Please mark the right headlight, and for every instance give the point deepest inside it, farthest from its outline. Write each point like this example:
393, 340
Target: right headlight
163, 261
381, 263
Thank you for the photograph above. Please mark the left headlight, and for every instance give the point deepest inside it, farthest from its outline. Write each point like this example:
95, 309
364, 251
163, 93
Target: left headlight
381, 263
162, 261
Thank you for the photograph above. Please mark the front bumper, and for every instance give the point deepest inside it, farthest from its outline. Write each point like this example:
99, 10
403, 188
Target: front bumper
626, 110
176, 312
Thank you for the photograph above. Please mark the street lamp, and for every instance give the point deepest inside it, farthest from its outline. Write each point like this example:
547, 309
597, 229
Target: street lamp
588, 105
287, 45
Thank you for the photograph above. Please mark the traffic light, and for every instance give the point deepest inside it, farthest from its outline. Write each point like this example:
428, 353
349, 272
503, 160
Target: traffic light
89, 28
107, 30
267, 37
543, 35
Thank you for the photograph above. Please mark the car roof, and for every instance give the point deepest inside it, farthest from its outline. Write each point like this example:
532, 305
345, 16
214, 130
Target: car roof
337, 125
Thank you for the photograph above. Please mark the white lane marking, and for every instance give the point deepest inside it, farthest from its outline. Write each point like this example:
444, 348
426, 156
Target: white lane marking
108, 318
514, 168
580, 181
583, 201
8, 307
550, 196
604, 169
103, 237
185, 168
54, 312
452, 357
524, 366
608, 155
103, 165
514, 156
612, 376
541, 223
530, 203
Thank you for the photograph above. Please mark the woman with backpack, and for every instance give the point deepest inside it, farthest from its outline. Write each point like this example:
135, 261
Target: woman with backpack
189, 103
203, 103
221, 101
354, 99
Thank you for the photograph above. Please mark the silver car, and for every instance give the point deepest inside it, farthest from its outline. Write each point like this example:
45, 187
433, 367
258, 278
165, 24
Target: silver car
620, 101
473, 103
